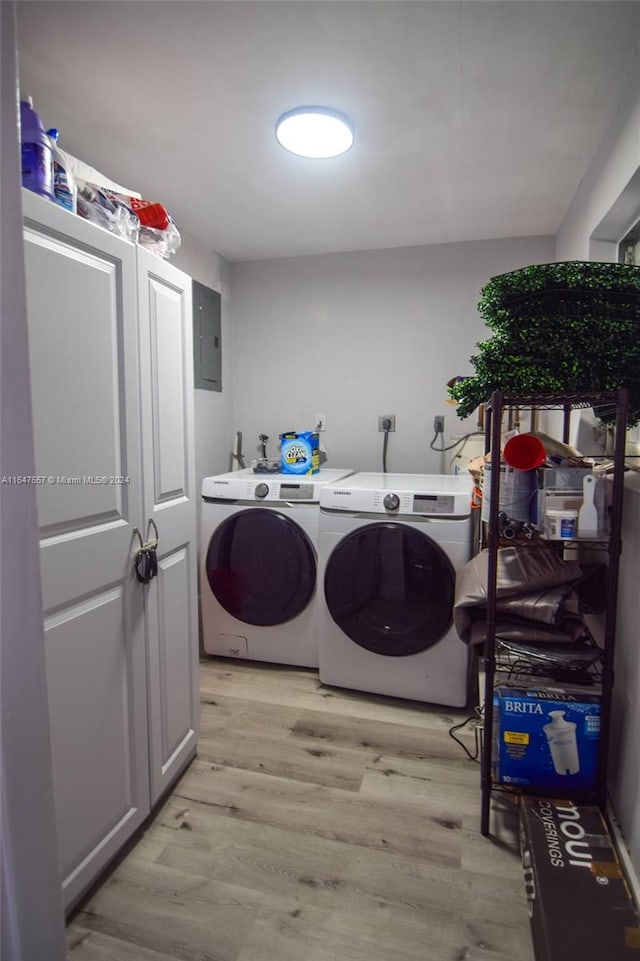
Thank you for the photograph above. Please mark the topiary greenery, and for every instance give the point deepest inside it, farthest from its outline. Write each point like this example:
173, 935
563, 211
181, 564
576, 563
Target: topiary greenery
571, 327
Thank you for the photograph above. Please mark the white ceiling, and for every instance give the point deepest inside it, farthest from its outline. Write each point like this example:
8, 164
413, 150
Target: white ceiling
473, 120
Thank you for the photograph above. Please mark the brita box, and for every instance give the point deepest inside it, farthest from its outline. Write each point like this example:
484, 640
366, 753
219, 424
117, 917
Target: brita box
300, 452
580, 907
546, 738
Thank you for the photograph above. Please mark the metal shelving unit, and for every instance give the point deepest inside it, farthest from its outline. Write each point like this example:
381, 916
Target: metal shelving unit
603, 403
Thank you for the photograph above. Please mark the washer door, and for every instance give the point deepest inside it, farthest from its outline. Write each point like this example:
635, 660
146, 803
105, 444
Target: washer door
261, 566
390, 589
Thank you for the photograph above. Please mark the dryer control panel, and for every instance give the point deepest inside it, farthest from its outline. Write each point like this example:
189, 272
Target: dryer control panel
395, 494
404, 502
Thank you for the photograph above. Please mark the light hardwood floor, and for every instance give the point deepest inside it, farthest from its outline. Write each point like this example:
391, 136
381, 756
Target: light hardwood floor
316, 824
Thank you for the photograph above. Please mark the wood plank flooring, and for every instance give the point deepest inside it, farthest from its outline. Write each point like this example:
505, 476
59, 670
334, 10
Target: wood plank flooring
316, 824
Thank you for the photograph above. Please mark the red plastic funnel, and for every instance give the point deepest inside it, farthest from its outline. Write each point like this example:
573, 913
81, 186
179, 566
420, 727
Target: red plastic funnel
524, 452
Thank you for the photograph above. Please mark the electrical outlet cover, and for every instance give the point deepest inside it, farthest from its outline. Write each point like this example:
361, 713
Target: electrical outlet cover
382, 418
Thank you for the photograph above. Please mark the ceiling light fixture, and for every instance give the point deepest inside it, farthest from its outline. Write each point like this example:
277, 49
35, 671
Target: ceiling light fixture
316, 132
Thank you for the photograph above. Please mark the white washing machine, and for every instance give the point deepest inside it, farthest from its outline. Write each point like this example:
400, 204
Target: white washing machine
258, 564
390, 546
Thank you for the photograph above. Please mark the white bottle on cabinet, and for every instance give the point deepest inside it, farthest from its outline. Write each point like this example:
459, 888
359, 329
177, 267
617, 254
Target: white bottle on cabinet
64, 185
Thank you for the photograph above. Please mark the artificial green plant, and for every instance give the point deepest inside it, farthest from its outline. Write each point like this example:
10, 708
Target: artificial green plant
568, 327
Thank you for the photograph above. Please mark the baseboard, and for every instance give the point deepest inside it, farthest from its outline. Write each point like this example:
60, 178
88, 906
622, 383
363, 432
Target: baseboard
625, 858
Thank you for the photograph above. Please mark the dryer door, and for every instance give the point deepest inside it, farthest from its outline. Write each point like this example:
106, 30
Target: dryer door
261, 566
390, 588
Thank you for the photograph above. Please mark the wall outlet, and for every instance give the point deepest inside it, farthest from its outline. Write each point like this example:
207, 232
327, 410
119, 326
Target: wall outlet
321, 422
438, 423
386, 417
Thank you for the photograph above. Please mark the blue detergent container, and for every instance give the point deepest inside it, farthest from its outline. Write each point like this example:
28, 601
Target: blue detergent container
37, 155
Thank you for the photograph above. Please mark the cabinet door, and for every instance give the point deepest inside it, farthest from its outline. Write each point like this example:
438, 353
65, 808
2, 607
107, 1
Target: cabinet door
166, 378
81, 303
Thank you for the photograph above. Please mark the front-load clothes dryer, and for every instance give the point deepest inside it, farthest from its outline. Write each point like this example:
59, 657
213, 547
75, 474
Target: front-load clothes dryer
258, 568
390, 546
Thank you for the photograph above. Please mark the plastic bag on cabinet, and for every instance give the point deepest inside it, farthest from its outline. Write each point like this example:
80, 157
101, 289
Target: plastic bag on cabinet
111, 214
163, 243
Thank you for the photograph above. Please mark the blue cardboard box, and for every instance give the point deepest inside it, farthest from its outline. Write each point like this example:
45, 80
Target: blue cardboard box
546, 738
300, 452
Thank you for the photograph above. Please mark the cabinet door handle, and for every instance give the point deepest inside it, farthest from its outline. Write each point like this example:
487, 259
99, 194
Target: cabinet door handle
145, 564
146, 560
152, 523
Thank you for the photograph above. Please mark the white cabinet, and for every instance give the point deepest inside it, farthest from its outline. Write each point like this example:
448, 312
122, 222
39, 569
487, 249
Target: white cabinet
166, 380
110, 347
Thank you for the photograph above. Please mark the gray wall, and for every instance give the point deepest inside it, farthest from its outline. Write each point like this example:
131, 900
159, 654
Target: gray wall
360, 334
212, 409
608, 195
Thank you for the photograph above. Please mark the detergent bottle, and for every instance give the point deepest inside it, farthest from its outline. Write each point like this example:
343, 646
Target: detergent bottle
37, 155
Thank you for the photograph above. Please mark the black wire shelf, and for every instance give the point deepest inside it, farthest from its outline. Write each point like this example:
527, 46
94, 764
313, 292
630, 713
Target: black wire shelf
596, 676
605, 400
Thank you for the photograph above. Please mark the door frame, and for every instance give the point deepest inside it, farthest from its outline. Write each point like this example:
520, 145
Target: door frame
31, 893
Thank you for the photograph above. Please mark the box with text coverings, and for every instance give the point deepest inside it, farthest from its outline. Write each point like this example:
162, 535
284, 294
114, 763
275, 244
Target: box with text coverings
580, 907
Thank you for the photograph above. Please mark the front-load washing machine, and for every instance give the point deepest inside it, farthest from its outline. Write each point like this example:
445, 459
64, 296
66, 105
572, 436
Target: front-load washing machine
390, 546
258, 567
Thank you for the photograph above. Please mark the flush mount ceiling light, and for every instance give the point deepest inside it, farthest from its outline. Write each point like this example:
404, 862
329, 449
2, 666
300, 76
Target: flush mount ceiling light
315, 132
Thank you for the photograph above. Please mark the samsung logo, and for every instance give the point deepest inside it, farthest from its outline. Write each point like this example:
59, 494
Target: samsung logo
343, 493
221, 483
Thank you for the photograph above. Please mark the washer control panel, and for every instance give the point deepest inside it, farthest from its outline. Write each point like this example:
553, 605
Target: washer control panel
269, 489
250, 485
433, 504
296, 492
